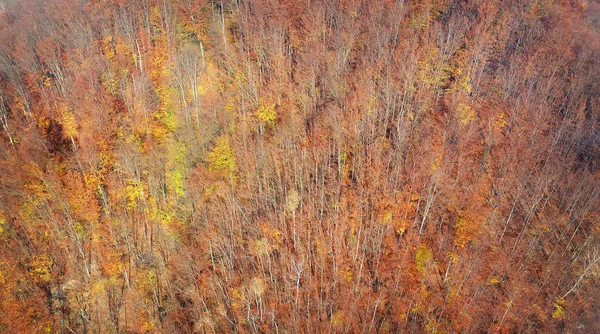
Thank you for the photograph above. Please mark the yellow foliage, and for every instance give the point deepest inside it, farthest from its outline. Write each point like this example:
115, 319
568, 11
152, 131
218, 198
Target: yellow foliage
401, 225
371, 105
109, 82
559, 310
431, 325
500, 123
221, 158
386, 217
79, 230
148, 326
239, 77
417, 308
258, 286
159, 67
292, 201
147, 282
422, 257
261, 247
40, 269
3, 278
457, 69
107, 47
203, 88
3, 224
164, 217
453, 257
493, 281
177, 153
337, 318
67, 120
465, 113
175, 179
165, 120
384, 142
237, 298
267, 114
230, 107
431, 72
437, 161
346, 274
133, 191
91, 179
46, 81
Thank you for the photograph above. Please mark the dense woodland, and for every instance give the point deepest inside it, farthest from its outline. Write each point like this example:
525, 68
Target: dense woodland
324, 166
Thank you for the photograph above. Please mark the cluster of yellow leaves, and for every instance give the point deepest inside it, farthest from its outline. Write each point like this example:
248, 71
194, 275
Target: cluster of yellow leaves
176, 159
79, 230
267, 113
438, 155
40, 269
559, 310
431, 71
292, 201
3, 278
371, 105
38, 192
67, 120
395, 212
493, 281
465, 113
500, 123
422, 257
3, 224
109, 82
423, 13
457, 69
431, 325
258, 286
164, 119
107, 47
346, 274
260, 247
221, 159
46, 80
147, 282
164, 217
133, 191
237, 300
337, 317
386, 217
466, 230
148, 326
453, 257
92, 179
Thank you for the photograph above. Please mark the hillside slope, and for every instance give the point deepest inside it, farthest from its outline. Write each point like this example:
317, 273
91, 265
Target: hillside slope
195, 166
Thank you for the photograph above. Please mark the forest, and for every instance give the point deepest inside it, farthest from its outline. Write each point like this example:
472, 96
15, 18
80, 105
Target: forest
299, 166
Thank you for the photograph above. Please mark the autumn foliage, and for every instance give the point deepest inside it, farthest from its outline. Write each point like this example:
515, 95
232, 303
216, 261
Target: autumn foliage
318, 166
